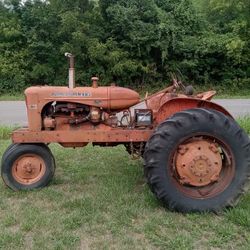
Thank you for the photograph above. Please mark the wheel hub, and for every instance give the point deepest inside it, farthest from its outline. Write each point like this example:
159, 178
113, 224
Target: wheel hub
28, 169
198, 163
200, 166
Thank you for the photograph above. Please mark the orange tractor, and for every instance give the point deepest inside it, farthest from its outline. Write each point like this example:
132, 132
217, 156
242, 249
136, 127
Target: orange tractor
196, 157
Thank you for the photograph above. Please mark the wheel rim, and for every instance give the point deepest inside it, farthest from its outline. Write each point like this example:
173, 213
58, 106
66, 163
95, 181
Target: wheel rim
202, 166
28, 169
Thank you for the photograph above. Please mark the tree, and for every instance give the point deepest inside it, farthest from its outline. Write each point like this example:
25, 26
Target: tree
151, 31
13, 54
230, 20
130, 42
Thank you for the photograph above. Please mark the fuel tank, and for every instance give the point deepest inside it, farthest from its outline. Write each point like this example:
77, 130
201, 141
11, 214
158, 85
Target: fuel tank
110, 97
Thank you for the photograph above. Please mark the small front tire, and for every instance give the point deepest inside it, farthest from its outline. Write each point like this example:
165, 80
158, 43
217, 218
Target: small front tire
27, 166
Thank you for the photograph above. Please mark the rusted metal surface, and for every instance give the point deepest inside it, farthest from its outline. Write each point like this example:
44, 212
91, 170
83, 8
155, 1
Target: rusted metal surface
157, 100
28, 169
73, 128
175, 105
94, 82
205, 172
71, 70
206, 95
76, 116
49, 123
110, 98
73, 144
198, 163
95, 114
78, 135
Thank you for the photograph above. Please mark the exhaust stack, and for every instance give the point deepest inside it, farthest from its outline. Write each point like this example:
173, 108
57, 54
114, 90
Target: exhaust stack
71, 70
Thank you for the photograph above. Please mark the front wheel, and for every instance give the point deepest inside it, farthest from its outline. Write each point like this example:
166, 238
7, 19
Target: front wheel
27, 166
198, 160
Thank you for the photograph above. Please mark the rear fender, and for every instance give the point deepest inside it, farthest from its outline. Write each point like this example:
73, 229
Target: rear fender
179, 104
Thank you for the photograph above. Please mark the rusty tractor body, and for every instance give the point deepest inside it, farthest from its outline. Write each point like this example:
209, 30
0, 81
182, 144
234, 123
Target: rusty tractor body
196, 158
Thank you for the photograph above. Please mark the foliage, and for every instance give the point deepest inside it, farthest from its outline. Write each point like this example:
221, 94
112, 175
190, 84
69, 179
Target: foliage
130, 42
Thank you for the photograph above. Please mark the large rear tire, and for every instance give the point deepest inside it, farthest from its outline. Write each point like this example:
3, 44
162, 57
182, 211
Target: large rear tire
198, 160
27, 166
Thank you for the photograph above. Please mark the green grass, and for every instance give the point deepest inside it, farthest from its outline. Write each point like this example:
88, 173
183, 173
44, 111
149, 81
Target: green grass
244, 122
5, 132
98, 199
12, 97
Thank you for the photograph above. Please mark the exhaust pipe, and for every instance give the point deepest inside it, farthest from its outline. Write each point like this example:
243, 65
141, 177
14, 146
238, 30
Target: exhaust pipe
71, 70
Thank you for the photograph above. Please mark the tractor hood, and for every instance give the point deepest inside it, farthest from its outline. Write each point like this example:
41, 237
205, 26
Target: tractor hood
112, 97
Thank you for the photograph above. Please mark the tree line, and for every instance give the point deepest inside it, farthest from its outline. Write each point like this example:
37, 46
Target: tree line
130, 42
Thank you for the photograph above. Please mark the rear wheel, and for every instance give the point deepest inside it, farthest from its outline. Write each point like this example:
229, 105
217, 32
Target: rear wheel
198, 160
27, 166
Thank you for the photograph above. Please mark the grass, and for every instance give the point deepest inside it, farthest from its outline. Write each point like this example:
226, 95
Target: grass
5, 132
244, 122
98, 199
12, 97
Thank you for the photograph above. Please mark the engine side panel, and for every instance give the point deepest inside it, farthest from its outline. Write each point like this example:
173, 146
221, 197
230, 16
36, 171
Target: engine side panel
107, 98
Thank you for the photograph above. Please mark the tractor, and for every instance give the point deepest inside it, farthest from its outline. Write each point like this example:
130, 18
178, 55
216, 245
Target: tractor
196, 157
